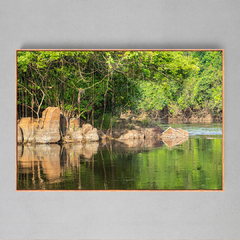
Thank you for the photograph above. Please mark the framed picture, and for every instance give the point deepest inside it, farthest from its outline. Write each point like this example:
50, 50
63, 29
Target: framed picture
120, 120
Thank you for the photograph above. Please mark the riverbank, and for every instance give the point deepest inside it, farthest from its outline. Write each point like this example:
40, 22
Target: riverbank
53, 127
164, 116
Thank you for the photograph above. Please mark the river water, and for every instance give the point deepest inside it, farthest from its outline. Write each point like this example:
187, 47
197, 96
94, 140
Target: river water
195, 164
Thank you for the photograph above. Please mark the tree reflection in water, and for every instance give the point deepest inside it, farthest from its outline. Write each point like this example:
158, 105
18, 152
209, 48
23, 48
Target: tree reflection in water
194, 164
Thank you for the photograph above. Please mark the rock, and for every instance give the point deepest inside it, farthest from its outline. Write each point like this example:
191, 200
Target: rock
172, 134
50, 126
184, 132
148, 133
46, 131
138, 134
86, 128
68, 138
29, 127
50, 118
172, 137
127, 134
74, 124
77, 136
86, 133
155, 133
131, 134
91, 135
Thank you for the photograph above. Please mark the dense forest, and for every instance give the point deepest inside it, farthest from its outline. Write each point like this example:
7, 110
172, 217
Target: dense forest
100, 85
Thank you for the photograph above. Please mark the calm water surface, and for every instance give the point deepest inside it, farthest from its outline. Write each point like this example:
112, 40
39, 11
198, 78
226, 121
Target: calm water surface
194, 164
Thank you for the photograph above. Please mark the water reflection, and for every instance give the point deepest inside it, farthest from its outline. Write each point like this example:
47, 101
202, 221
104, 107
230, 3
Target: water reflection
194, 164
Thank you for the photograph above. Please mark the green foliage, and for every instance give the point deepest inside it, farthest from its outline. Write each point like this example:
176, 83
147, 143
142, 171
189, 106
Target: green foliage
186, 80
106, 122
208, 88
83, 83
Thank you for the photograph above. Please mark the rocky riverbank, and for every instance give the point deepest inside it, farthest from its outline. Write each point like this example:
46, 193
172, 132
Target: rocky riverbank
53, 127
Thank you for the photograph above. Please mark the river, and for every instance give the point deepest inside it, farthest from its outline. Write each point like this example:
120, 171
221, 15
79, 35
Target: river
195, 164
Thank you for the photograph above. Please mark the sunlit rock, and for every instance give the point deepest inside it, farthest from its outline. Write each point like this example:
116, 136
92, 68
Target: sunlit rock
172, 133
49, 131
77, 136
92, 135
127, 134
85, 134
131, 134
86, 128
153, 132
46, 130
29, 127
138, 134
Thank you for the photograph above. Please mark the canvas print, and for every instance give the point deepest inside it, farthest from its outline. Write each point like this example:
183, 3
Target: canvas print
120, 120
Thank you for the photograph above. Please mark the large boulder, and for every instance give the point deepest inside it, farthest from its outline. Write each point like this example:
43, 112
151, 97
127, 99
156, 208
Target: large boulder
184, 132
86, 128
174, 136
138, 134
85, 134
127, 134
47, 130
29, 127
131, 134
77, 136
155, 133
147, 133
50, 118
